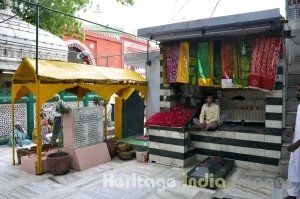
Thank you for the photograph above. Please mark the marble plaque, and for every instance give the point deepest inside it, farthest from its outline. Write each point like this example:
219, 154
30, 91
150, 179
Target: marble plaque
87, 126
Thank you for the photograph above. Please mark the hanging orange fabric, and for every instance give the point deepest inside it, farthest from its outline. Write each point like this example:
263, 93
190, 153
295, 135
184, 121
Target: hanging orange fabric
227, 64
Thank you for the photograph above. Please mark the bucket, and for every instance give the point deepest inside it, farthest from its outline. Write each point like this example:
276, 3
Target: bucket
141, 156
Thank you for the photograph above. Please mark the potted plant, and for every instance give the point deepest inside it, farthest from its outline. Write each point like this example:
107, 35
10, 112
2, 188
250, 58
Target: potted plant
125, 151
59, 162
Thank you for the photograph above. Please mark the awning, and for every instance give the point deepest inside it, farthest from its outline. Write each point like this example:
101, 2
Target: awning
56, 76
65, 72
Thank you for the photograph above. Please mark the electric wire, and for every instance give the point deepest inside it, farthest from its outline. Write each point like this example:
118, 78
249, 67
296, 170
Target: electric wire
215, 8
182, 7
85, 20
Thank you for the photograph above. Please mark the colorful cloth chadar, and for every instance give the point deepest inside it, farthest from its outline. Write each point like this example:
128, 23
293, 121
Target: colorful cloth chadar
227, 64
264, 63
242, 52
205, 64
217, 77
183, 63
164, 64
172, 62
193, 65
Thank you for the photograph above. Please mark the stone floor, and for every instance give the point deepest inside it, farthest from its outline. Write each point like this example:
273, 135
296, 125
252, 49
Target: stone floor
143, 181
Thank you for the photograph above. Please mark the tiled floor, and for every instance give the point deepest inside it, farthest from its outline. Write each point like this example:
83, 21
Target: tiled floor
148, 181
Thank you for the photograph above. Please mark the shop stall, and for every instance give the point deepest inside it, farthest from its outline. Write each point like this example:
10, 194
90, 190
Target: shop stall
237, 59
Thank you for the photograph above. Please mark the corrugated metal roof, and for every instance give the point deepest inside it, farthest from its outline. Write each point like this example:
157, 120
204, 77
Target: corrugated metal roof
18, 40
230, 22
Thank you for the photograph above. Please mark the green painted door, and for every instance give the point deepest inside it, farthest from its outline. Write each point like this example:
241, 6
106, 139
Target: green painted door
133, 115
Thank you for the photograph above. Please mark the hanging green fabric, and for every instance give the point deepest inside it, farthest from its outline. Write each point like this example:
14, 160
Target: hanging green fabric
242, 52
193, 65
205, 64
217, 77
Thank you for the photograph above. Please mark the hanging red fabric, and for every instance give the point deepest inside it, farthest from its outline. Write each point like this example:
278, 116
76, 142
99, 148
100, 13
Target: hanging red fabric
264, 63
227, 64
227, 60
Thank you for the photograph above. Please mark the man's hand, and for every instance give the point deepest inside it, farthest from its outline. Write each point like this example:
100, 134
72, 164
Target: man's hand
293, 147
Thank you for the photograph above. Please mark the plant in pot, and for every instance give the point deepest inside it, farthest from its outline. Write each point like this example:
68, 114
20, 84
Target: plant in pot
125, 151
59, 162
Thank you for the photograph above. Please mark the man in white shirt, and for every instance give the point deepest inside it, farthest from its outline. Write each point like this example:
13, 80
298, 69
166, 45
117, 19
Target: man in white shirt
293, 189
58, 110
209, 118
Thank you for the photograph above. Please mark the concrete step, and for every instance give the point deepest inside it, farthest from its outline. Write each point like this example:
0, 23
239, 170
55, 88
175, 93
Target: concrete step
285, 154
293, 80
290, 119
277, 193
291, 93
295, 86
294, 68
291, 105
283, 168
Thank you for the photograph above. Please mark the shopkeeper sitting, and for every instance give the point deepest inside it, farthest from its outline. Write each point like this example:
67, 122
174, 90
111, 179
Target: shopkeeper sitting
209, 118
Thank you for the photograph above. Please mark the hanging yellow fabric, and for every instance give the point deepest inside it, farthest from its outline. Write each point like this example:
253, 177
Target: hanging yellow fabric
205, 64
183, 63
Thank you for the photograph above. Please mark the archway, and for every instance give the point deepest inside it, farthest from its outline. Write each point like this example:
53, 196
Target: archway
76, 47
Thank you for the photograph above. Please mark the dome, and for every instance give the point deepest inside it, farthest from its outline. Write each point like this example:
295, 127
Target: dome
17, 40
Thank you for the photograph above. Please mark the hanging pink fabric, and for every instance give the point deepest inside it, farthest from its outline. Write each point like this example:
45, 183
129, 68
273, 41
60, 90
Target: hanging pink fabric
264, 63
172, 62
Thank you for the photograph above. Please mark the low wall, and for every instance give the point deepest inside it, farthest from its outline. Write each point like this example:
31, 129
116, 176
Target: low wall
180, 147
170, 146
249, 150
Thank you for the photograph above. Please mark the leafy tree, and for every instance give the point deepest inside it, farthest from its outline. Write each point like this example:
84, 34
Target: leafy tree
53, 22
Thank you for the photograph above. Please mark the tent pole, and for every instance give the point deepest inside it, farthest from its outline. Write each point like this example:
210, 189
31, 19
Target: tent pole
37, 20
37, 110
105, 120
38, 131
13, 131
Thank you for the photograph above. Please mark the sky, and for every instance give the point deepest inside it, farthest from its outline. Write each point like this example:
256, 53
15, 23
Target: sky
147, 13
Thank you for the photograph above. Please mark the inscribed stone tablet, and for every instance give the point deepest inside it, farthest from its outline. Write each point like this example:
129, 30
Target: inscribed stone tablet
87, 126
